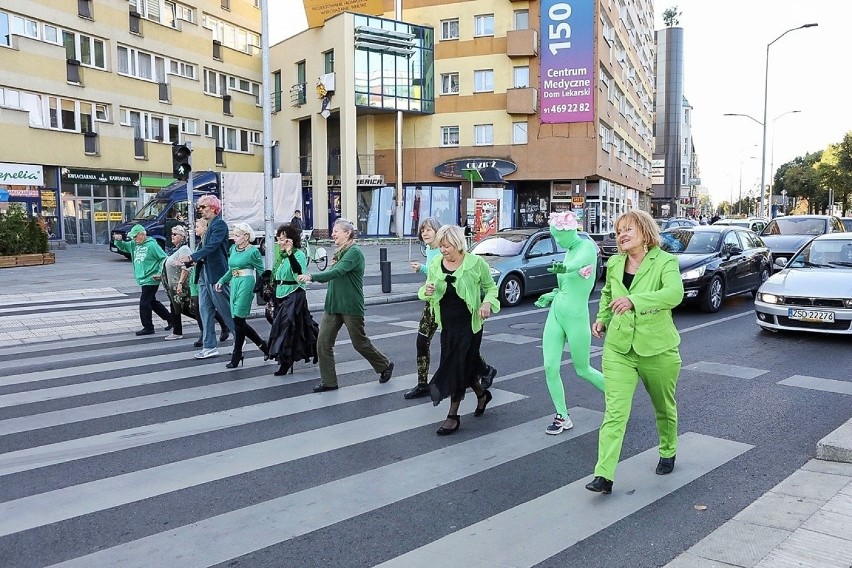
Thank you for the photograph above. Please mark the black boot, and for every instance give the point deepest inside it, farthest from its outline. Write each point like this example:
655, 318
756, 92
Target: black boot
285, 367
422, 389
236, 360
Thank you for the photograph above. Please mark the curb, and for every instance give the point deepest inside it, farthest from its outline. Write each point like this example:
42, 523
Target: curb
836, 446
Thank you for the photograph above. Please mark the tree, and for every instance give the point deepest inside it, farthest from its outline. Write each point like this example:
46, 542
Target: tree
670, 16
800, 179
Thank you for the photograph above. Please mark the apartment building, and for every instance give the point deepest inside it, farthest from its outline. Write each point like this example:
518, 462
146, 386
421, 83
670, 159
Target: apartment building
94, 93
534, 106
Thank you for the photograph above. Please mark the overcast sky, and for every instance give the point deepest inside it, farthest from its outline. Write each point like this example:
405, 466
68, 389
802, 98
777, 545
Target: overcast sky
725, 52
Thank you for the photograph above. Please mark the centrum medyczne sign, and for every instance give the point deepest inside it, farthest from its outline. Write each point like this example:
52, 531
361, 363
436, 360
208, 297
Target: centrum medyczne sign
567, 61
97, 177
452, 169
21, 174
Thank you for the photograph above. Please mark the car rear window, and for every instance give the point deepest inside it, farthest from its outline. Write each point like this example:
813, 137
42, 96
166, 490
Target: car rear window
795, 226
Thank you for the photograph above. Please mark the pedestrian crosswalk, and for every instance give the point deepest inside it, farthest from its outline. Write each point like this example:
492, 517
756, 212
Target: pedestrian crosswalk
117, 452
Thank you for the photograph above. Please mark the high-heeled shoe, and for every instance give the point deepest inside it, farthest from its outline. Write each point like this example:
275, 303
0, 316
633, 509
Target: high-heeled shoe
235, 362
264, 347
480, 411
284, 368
446, 431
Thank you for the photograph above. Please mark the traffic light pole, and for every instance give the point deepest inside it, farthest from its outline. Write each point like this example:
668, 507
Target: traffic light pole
267, 136
190, 209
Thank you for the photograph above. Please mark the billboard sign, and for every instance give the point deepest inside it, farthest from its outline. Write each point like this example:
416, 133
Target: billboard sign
567, 61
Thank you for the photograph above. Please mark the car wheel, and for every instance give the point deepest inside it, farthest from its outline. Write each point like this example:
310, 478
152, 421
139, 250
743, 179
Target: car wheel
711, 299
511, 291
764, 276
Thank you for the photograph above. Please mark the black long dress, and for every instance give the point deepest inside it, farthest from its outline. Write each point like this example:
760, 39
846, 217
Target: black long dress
293, 335
461, 363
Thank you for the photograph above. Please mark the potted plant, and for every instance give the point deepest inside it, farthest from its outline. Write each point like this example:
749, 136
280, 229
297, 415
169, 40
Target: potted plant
22, 240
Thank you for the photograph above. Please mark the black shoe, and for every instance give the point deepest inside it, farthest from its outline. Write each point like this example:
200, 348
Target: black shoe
447, 431
386, 374
145, 332
199, 343
480, 411
665, 466
487, 379
417, 392
600, 485
235, 362
284, 368
225, 334
322, 388
168, 328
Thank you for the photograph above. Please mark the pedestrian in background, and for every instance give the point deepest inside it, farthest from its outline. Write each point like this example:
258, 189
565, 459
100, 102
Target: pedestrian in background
245, 264
179, 298
462, 294
148, 258
643, 284
296, 221
344, 305
427, 327
189, 278
213, 260
293, 336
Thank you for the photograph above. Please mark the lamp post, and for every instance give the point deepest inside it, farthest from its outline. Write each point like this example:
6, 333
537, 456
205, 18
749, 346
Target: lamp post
765, 101
772, 158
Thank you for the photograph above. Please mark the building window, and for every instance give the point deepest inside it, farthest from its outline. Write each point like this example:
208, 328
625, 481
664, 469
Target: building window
5, 36
328, 61
232, 36
230, 139
141, 65
449, 136
483, 135
522, 19
87, 50
519, 133
483, 25
521, 77
483, 81
605, 136
24, 27
84, 8
450, 29
215, 83
449, 83
276, 91
182, 68
51, 33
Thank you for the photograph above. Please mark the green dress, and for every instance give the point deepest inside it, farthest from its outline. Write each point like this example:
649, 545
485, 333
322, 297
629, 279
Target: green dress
242, 287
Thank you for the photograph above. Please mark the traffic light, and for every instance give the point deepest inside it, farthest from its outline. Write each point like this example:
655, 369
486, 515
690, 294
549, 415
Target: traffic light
181, 160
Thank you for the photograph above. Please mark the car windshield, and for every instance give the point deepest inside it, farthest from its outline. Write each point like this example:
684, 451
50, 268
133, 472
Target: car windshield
689, 242
825, 253
795, 226
151, 210
504, 244
847, 223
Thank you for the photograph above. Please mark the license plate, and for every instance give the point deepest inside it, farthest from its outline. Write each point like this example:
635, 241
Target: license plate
811, 315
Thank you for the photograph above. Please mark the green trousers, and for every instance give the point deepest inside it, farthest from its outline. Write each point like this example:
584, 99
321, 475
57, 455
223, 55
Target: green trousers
622, 372
328, 330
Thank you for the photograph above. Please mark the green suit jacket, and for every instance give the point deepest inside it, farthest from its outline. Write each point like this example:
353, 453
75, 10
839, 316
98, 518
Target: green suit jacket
657, 288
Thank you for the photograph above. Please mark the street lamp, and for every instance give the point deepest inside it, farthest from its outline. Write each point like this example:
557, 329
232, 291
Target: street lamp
765, 101
772, 159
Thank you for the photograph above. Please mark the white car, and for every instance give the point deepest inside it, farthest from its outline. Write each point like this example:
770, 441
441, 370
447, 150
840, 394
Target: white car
813, 292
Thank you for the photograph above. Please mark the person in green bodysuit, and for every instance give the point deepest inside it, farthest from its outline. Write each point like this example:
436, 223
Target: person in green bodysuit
245, 264
568, 319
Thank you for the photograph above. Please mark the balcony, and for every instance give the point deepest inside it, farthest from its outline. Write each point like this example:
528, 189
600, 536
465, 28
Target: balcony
522, 43
522, 101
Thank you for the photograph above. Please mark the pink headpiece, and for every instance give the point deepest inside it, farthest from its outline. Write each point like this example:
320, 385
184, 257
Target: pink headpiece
564, 221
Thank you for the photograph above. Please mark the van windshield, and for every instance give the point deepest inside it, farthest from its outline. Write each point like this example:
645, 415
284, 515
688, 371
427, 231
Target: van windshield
151, 210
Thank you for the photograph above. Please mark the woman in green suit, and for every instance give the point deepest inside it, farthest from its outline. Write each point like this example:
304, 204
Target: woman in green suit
245, 264
643, 284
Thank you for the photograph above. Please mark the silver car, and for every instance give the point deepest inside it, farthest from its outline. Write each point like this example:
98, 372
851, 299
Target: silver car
813, 292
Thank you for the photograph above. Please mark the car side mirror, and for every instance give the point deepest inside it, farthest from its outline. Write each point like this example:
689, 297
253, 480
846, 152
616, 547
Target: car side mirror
734, 250
780, 262
611, 235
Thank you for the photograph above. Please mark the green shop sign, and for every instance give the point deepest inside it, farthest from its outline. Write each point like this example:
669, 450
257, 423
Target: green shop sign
97, 177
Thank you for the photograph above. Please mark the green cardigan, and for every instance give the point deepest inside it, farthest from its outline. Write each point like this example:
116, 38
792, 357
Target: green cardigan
472, 278
345, 294
657, 288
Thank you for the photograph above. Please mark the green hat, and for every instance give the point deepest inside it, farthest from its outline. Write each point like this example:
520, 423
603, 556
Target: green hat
135, 231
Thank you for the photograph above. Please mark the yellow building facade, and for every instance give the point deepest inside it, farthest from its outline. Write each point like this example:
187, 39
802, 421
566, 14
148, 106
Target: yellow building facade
94, 93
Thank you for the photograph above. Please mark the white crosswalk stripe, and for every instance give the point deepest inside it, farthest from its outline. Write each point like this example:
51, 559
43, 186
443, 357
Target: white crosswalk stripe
107, 430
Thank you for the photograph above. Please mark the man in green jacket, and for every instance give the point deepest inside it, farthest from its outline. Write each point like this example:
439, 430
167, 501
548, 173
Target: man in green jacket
344, 305
148, 258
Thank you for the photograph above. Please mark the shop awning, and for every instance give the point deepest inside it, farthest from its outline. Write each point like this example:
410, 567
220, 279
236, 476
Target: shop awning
155, 181
484, 175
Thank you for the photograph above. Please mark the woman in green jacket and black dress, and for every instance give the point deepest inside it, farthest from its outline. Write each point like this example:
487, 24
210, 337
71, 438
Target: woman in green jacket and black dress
293, 335
245, 265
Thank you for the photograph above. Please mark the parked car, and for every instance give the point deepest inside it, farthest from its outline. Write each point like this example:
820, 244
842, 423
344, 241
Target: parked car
717, 261
785, 235
675, 222
755, 224
519, 259
813, 292
847, 223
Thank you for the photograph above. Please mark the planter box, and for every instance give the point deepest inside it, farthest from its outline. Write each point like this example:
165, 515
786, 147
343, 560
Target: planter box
27, 260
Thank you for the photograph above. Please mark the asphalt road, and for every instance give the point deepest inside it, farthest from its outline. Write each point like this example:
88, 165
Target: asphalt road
116, 451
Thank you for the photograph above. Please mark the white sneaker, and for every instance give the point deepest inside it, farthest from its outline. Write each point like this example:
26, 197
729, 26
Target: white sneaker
172, 337
559, 424
207, 353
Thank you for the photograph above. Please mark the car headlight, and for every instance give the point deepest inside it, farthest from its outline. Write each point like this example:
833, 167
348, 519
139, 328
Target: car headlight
494, 272
770, 298
847, 303
694, 273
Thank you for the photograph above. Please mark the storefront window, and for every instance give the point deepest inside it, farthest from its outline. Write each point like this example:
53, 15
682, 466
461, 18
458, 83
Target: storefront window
376, 211
424, 201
